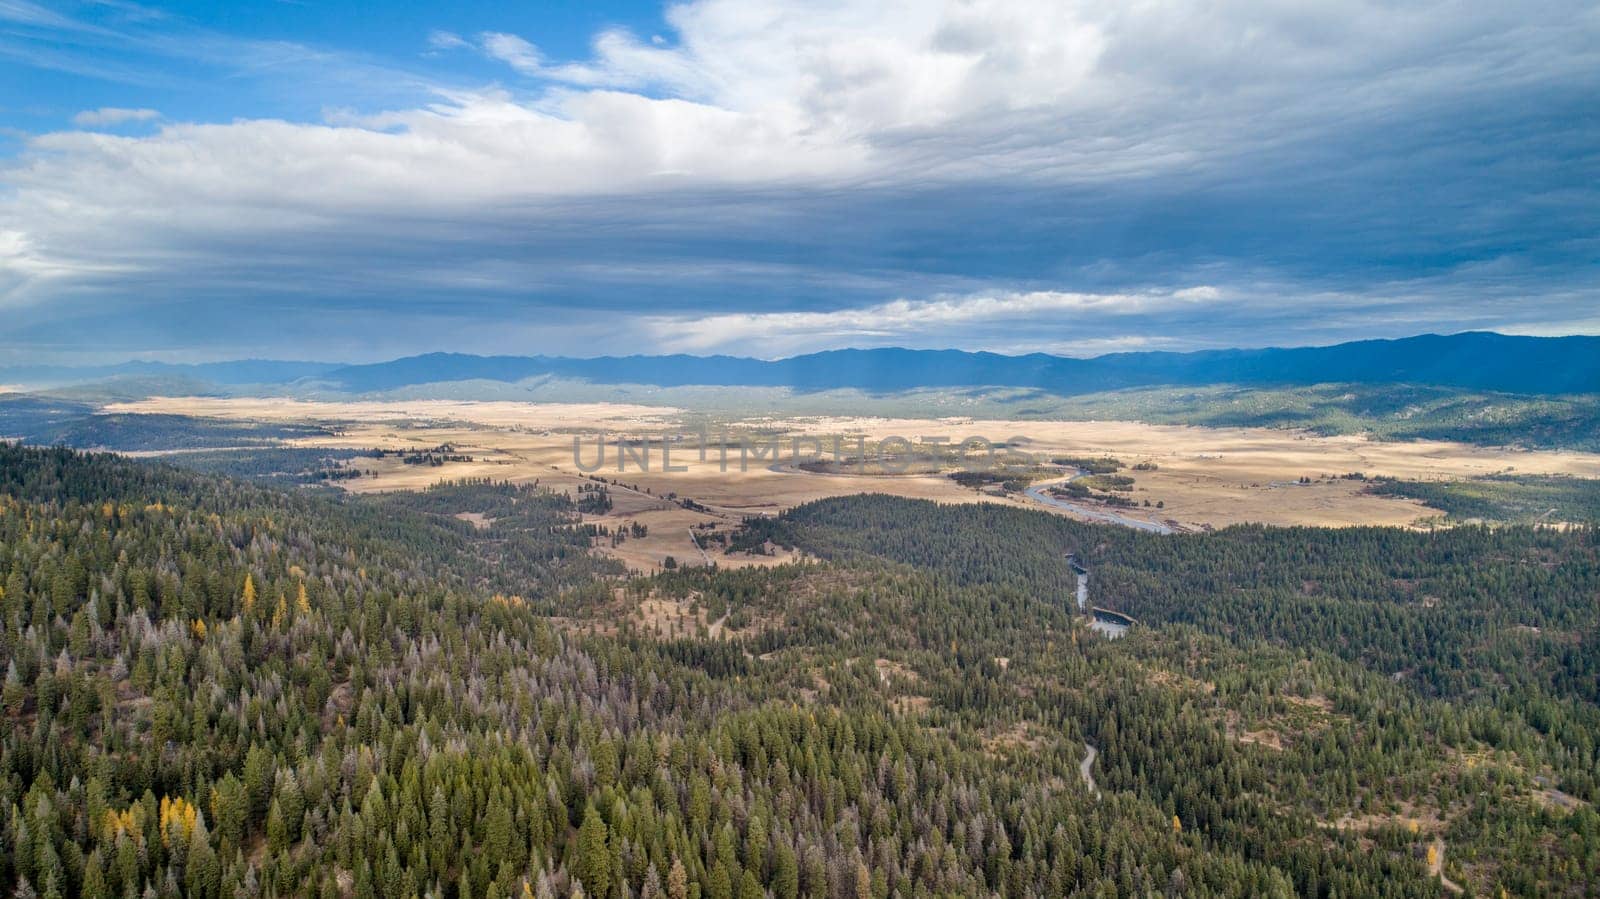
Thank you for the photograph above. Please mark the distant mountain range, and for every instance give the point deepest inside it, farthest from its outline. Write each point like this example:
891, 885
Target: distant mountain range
1473, 360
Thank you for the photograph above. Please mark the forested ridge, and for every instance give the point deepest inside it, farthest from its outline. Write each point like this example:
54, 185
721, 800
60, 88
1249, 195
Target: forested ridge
1425, 651
217, 689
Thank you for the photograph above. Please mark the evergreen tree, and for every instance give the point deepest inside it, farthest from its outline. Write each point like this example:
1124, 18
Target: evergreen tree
593, 865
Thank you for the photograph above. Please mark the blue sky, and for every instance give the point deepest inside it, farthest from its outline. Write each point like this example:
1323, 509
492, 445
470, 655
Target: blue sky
262, 58
341, 181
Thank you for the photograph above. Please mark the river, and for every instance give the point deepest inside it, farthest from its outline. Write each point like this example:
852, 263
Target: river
1111, 629
1040, 493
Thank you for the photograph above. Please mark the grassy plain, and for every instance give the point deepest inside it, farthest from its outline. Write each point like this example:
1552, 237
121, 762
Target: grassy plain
1202, 477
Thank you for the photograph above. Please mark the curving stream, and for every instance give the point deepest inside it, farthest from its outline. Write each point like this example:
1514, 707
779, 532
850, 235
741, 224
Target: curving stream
1040, 493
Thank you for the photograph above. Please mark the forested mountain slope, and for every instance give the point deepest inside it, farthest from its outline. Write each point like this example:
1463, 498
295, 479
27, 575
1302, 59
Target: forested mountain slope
1471, 360
213, 689
1474, 360
1450, 677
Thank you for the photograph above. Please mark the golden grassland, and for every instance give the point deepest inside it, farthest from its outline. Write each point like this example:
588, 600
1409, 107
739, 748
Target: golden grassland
1204, 477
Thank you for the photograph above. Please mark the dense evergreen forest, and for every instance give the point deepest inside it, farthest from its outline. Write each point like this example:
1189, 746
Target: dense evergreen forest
216, 689
1504, 497
51, 421
1384, 411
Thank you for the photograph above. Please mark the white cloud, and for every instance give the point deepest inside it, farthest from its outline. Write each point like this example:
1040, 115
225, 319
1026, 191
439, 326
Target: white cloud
111, 115
767, 101
513, 51
1249, 314
834, 94
939, 321
26, 13
447, 40
27, 272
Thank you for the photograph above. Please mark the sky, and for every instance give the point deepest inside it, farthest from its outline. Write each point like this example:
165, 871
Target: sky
308, 180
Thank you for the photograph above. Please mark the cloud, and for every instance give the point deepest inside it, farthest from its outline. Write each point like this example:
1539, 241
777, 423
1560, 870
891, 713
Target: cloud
25, 13
28, 273
1091, 323
513, 51
447, 40
901, 321
111, 115
794, 167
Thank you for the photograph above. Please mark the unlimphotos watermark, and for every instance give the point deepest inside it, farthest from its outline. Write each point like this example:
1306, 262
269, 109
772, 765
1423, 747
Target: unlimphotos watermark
892, 454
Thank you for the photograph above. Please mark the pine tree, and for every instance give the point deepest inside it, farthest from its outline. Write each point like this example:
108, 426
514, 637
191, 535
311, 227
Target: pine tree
719, 884
15, 693
499, 833
277, 830
755, 845
258, 770
863, 881
677, 881
230, 808
200, 871
94, 878
594, 856
292, 802
785, 873
651, 888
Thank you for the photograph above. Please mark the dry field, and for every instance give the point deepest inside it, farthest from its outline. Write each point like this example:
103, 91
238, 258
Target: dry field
1205, 477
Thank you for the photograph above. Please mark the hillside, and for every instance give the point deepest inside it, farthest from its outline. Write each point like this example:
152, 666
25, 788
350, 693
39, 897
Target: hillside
213, 689
1471, 360
1479, 361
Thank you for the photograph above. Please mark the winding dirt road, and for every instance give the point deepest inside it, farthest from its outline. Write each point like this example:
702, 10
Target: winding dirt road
1437, 869
1089, 755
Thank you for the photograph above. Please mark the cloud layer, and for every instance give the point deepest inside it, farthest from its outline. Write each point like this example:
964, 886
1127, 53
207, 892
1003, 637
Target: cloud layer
111, 115
776, 175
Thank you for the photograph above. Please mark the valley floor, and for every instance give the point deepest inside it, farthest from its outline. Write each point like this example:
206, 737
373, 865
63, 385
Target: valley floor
1183, 478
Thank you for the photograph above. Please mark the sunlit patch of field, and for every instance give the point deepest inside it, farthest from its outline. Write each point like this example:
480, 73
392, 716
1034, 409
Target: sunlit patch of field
1202, 477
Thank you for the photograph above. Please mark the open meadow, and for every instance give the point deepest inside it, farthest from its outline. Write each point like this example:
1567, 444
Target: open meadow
1189, 478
